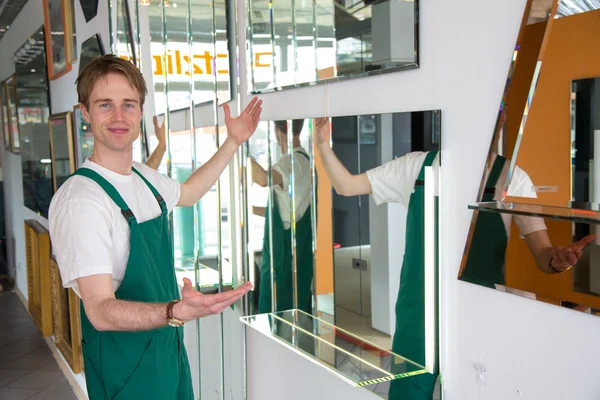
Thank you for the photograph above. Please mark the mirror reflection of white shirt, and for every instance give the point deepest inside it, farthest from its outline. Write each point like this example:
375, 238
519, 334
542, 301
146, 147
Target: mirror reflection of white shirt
302, 185
394, 182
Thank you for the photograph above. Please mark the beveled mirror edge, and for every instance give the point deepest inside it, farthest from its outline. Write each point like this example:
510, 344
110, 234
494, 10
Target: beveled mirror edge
249, 53
407, 67
246, 320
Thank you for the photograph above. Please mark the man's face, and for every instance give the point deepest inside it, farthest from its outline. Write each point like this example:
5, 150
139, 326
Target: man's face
114, 113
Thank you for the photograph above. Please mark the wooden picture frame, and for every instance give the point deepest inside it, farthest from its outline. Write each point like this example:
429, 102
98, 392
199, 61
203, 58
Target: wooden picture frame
13, 114
67, 320
62, 154
58, 17
4, 116
39, 288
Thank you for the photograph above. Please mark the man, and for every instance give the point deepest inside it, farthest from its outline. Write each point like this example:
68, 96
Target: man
402, 181
110, 236
281, 225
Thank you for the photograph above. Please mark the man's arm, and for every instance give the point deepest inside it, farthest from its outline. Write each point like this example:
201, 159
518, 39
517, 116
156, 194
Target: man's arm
238, 131
550, 259
157, 155
260, 211
106, 313
343, 182
260, 175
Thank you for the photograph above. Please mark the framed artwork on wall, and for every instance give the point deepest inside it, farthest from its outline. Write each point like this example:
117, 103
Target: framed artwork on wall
65, 314
90, 49
13, 115
59, 33
37, 246
4, 116
61, 148
83, 138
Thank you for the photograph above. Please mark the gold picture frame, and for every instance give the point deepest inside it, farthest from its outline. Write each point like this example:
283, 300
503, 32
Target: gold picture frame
65, 314
62, 150
39, 288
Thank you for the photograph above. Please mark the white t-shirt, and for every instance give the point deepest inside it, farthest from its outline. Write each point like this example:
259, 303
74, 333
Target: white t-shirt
394, 182
89, 234
302, 186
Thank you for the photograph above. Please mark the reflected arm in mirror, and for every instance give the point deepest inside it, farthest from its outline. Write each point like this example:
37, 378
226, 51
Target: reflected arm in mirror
260, 211
553, 260
157, 155
238, 131
344, 183
260, 175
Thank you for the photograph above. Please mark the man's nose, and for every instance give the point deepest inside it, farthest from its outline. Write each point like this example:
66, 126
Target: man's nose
118, 114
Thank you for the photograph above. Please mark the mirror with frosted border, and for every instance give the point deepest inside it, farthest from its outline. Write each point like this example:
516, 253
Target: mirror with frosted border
32, 109
297, 43
329, 265
540, 169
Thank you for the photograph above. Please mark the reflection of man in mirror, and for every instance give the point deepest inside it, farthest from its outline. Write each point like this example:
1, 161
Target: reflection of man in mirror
486, 259
281, 225
402, 181
399, 181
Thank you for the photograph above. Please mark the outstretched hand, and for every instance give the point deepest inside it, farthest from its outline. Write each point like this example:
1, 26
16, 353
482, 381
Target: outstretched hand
564, 258
196, 305
321, 126
242, 127
159, 131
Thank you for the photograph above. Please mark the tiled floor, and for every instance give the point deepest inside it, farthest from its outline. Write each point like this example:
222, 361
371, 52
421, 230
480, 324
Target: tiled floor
27, 368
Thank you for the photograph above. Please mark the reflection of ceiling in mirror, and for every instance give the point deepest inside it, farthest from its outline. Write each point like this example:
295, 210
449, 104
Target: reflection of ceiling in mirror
540, 11
572, 7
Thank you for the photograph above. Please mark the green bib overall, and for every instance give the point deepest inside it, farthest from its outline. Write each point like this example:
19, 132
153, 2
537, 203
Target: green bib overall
282, 262
409, 336
139, 365
487, 252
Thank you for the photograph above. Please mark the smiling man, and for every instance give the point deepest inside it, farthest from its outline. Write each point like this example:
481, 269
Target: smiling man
110, 236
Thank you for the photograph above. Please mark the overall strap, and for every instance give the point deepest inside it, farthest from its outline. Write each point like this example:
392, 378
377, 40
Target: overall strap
427, 163
490, 185
303, 153
110, 191
157, 196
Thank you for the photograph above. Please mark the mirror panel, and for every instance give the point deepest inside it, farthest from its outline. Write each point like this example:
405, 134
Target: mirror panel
29, 120
540, 170
5, 124
90, 9
296, 43
341, 254
61, 148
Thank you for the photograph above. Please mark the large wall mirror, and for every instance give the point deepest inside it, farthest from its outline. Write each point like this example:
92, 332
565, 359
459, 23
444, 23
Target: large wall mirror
32, 96
541, 170
187, 46
294, 43
332, 277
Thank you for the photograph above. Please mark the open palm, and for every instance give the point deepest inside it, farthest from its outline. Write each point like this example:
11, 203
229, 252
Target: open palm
321, 126
564, 258
197, 305
241, 128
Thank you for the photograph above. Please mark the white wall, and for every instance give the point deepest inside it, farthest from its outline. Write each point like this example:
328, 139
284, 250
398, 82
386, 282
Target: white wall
543, 351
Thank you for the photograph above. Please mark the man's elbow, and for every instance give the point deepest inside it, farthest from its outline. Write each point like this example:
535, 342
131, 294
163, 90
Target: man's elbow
94, 315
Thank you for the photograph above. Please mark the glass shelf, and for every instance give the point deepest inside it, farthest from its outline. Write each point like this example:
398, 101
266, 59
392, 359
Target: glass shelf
534, 210
353, 359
